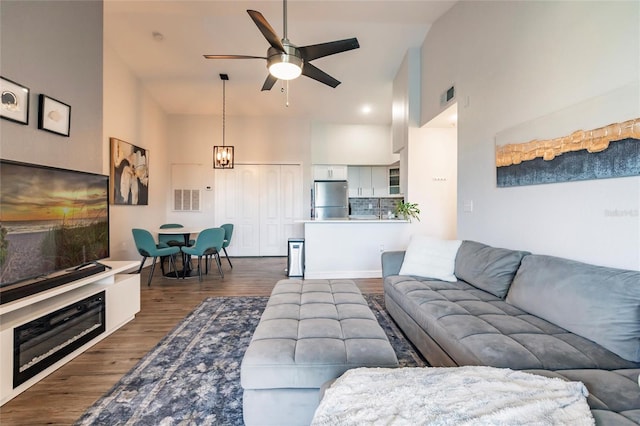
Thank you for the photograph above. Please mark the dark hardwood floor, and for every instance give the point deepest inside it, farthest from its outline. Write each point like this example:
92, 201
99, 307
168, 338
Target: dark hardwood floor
63, 396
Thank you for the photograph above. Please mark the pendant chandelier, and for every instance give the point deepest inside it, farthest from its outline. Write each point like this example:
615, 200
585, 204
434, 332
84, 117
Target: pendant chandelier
223, 156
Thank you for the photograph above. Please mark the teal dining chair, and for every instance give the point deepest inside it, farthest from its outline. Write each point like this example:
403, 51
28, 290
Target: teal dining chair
166, 240
147, 247
228, 232
208, 243
171, 240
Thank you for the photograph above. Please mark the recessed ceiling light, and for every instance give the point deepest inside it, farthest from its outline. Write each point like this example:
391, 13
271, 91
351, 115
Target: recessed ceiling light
366, 109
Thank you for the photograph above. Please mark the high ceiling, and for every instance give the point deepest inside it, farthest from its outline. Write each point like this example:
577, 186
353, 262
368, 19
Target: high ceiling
173, 70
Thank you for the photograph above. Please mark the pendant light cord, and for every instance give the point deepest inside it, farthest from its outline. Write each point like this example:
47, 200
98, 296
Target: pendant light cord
224, 109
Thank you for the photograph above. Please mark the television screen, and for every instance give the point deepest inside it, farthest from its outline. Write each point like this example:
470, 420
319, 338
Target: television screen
51, 220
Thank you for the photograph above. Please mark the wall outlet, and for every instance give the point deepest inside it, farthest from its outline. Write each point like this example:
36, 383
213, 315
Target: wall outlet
381, 248
468, 206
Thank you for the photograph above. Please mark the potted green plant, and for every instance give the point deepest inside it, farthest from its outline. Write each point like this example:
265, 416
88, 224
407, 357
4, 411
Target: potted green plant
406, 210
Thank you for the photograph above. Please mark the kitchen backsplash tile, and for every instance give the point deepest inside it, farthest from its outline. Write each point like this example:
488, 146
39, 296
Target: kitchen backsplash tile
373, 206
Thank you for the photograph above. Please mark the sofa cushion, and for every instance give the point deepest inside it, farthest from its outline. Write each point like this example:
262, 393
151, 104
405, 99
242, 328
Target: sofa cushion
599, 303
488, 268
613, 395
430, 257
477, 328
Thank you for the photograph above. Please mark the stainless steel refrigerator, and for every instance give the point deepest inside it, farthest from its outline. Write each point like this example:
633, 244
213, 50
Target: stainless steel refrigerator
331, 199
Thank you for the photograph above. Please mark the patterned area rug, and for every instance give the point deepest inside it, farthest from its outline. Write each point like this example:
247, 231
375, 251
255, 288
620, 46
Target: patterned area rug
192, 377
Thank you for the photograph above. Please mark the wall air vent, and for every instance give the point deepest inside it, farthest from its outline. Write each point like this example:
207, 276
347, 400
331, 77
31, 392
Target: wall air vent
448, 96
186, 200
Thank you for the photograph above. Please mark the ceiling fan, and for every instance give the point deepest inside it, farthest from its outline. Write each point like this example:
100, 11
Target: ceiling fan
287, 61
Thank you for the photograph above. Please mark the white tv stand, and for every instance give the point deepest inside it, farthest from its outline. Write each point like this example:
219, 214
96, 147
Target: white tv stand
122, 293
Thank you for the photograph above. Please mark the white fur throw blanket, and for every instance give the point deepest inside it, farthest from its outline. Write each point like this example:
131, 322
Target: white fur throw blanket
451, 396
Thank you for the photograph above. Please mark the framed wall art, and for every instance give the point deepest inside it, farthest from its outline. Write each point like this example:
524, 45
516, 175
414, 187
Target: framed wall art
129, 176
15, 101
54, 116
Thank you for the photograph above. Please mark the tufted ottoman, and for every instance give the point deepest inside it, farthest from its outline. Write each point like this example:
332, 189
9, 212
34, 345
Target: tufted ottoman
311, 332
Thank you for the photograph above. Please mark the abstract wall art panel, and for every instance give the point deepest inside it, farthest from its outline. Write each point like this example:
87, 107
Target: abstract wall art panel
552, 156
606, 152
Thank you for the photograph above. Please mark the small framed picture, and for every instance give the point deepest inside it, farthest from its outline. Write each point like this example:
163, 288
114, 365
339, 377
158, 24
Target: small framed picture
55, 116
15, 101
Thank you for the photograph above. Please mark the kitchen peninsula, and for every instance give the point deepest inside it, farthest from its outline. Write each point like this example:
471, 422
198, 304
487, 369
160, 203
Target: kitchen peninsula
351, 248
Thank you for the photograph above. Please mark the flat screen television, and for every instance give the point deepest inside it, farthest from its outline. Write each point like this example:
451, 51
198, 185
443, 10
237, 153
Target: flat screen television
54, 227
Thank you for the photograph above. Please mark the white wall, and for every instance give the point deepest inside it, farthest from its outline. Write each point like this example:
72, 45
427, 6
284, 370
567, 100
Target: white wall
518, 62
405, 110
432, 176
56, 48
261, 140
40, 49
428, 156
132, 115
351, 144
256, 139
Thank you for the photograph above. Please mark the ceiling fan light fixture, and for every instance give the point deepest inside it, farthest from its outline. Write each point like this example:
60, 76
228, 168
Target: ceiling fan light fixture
284, 66
286, 61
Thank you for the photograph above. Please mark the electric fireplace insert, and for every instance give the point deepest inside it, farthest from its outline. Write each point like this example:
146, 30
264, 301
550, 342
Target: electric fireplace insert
40, 343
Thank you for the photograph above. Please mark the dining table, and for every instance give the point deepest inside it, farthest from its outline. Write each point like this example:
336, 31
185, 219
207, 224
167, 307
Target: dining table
186, 233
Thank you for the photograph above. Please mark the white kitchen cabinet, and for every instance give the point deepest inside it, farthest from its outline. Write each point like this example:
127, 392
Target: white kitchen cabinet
394, 181
379, 182
359, 180
329, 172
366, 181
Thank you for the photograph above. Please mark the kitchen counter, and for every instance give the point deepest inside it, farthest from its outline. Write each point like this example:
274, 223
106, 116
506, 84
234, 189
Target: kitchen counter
351, 248
355, 221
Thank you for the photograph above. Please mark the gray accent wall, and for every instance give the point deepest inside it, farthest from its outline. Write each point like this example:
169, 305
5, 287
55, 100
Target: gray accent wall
54, 48
513, 63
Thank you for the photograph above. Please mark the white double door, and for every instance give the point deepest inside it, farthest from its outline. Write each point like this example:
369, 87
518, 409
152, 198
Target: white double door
263, 202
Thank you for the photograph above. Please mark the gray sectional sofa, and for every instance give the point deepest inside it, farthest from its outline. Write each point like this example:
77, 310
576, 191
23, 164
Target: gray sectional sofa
544, 314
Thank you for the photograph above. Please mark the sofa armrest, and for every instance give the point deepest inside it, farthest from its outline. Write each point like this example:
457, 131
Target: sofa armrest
392, 262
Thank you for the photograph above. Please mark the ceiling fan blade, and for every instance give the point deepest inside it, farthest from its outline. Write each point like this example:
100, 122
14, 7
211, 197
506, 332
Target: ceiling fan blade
233, 57
269, 82
319, 75
267, 31
316, 51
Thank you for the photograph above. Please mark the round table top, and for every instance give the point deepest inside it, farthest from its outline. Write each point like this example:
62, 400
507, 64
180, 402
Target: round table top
178, 231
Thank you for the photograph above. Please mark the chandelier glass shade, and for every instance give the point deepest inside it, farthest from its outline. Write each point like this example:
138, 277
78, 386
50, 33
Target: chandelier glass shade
223, 156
